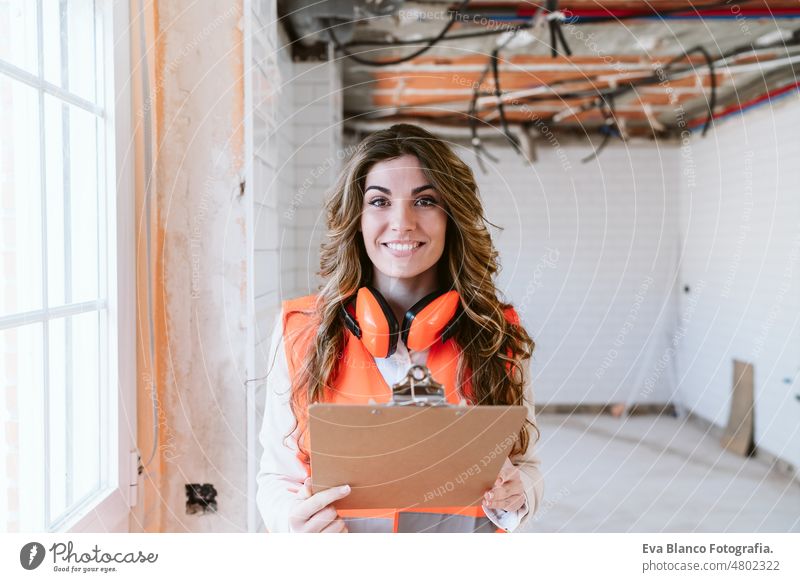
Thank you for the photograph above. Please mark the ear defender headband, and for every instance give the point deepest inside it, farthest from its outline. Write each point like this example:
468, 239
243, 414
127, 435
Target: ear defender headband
368, 317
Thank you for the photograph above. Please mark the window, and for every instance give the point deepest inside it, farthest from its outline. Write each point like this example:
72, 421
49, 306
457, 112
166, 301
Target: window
61, 250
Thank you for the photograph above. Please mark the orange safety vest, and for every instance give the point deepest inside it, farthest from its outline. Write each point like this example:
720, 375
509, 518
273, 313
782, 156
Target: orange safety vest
364, 382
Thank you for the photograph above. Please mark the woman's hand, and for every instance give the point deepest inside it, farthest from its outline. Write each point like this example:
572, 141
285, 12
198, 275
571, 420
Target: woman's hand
508, 492
314, 513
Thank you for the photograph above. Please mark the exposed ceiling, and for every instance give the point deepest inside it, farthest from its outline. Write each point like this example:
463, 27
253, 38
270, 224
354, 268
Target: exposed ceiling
618, 78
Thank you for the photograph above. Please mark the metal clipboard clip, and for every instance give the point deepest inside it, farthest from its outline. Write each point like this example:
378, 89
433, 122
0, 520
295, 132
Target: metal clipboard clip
418, 388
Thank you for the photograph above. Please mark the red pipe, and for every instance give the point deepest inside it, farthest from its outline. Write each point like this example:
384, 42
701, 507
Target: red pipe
744, 12
746, 105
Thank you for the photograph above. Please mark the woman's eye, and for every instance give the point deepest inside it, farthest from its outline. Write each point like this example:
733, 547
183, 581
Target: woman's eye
426, 201
378, 202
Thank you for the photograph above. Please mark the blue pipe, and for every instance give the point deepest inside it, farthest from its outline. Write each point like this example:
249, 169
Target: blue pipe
590, 19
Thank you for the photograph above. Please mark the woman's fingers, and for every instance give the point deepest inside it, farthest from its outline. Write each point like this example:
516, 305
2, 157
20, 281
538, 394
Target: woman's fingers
315, 512
323, 517
508, 492
516, 504
507, 471
507, 485
511, 503
505, 491
322, 499
305, 491
325, 520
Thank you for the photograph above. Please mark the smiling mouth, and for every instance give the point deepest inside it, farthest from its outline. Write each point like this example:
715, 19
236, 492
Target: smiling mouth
403, 247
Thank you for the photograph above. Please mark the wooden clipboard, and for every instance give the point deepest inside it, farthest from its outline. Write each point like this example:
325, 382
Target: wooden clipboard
410, 455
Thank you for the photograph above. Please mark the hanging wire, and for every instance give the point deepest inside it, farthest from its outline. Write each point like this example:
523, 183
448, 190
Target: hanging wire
430, 42
513, 139
477, 145
712, 101
608, 128
472, 116
556, 34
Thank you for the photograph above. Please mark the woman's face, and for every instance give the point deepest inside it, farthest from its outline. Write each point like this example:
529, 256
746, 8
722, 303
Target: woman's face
403, 221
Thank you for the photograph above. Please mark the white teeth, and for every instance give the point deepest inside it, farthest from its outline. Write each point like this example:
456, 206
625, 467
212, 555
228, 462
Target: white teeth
402, 247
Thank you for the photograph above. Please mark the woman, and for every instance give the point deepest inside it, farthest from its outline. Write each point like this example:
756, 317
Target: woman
406, 232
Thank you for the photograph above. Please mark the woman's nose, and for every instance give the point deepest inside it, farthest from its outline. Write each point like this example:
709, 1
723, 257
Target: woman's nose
403, 216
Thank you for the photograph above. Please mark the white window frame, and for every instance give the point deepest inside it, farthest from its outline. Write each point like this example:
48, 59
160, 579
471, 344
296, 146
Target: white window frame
108, 509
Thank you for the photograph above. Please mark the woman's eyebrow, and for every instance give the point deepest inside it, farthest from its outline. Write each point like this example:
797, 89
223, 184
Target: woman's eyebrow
381, 188
416, 190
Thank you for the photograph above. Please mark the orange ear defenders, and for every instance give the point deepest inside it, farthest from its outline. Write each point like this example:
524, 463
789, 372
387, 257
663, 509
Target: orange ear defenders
368, 316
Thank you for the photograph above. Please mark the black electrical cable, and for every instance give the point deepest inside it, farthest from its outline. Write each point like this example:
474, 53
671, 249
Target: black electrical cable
605, 102
430, 44
712, 101
610, 121
655, 79
605, 96
473, 109
606, 99
556, 34
500, 108
592, 20
473, 125
463, 35
603, 143
477, 145
473, 128
713, 97
563, 40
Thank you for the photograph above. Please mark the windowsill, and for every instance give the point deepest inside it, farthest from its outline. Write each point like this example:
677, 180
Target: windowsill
106, 511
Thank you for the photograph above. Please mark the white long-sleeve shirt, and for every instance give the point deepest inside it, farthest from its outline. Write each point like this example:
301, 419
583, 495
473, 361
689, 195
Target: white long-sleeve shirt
281, 472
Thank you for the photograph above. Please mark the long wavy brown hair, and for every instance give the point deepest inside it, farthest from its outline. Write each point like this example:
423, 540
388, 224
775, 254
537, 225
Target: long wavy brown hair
468, 265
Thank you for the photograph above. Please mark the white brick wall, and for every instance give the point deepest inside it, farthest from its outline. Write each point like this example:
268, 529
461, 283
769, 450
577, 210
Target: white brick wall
740, 221
297, 129
317, 159
273, 173
272, 183
588, 256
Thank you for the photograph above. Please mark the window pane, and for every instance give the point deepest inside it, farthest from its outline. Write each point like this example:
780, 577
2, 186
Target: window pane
85, 404
57, 418
51, 41
74, 410
18, 38
72, 203
81, 33
72, 25
54, 180
22, 377
20, 199
84, 216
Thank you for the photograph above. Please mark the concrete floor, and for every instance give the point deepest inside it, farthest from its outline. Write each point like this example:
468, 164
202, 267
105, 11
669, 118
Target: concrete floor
655, 474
